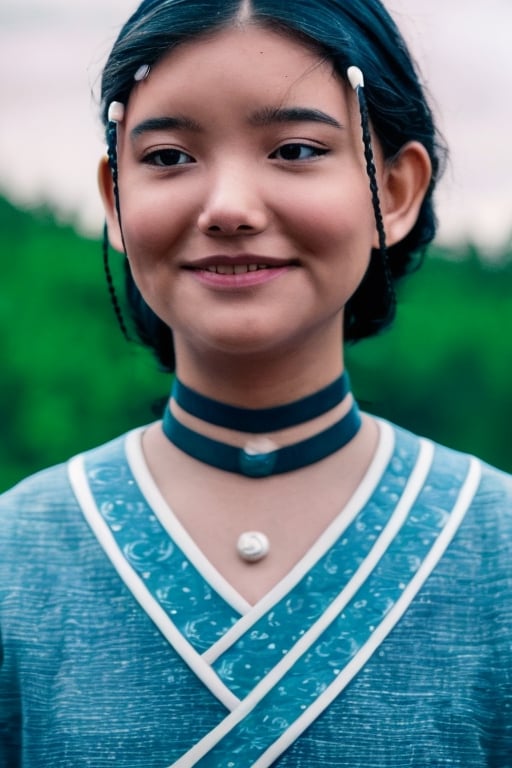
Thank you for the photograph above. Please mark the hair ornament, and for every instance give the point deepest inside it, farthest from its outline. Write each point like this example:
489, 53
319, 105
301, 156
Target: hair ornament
355, 77
116, 112
142, 73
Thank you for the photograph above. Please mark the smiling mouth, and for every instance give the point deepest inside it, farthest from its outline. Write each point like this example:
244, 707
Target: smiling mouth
234, 269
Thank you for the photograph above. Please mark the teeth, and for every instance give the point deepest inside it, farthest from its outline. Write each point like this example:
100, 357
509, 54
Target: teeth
235, 269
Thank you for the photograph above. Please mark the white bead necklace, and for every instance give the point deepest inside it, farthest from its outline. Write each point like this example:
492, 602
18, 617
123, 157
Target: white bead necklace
252, 546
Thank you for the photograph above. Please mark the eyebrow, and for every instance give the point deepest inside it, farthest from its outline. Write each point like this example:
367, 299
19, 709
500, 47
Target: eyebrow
260, 118
270, 115
164, 124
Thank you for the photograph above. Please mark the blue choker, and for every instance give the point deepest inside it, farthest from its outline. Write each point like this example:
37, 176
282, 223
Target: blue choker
260, 420
251, 461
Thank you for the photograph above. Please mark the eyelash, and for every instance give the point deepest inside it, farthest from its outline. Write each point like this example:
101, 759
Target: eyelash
152, 158
315, 151
157, 157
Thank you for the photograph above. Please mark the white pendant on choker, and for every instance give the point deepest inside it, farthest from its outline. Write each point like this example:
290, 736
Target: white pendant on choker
252, 546
258, 457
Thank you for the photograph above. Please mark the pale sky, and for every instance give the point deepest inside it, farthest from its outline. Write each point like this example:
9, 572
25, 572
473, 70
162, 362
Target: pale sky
51, 52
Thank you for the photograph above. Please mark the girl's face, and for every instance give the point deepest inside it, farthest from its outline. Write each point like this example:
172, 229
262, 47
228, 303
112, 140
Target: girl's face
245, 202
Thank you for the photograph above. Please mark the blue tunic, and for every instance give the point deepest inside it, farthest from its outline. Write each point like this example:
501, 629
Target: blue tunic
389, 645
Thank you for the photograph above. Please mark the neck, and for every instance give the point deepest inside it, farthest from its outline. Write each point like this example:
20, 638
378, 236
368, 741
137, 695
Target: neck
254, 382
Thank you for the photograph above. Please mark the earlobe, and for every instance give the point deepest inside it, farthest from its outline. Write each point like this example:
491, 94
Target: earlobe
405, 181
106, 188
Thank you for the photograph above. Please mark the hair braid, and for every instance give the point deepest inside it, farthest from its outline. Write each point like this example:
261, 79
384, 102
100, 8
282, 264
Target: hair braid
112, 160
374, 189
370, 168
111, 287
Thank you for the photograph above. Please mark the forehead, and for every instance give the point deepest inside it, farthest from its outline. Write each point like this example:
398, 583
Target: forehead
240, 65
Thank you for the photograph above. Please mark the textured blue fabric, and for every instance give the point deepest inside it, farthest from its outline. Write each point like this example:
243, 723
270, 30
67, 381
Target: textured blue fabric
86, 679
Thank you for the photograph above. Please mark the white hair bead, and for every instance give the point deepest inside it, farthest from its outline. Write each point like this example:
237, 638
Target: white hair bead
142, 73
116, 112
355, 77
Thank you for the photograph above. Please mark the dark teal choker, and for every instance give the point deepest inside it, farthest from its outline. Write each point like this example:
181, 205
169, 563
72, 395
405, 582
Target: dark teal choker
248, 461
260, 420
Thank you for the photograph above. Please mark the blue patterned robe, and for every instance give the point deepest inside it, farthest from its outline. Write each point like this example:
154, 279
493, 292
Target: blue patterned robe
389, 644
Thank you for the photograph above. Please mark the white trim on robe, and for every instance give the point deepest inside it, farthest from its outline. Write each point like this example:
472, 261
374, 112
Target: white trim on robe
288, 657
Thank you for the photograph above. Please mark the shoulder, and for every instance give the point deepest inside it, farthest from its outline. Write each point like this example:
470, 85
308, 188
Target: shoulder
33, 499
487, 530
482, 494
42, 510
56, 478
492, 486
494, 495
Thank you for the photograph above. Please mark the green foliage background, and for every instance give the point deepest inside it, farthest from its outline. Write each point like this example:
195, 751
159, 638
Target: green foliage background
68, 380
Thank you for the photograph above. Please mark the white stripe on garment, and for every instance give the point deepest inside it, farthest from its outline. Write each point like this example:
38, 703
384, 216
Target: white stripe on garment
399, 516
79, 483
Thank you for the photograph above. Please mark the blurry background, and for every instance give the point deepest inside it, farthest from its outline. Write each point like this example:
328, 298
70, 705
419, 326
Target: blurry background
67, 378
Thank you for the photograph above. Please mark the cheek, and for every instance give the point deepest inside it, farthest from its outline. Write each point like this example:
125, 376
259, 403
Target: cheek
147, 234
336, 217
153, 221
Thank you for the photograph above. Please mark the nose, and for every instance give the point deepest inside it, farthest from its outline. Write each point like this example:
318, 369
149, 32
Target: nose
233, 205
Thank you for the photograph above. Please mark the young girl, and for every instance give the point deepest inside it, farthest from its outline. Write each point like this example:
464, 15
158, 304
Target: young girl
267, 576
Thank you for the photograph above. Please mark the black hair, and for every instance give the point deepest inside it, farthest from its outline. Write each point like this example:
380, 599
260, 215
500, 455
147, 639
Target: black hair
348, 33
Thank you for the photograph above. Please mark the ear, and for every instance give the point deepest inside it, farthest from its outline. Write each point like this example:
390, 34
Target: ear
106, 187
404, 182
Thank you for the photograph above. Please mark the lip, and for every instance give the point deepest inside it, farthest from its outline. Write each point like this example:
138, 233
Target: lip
222, 259
265, 269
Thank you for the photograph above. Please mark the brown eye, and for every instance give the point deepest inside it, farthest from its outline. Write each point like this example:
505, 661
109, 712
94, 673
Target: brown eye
165, 158
298, 152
